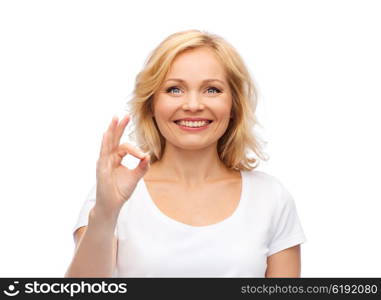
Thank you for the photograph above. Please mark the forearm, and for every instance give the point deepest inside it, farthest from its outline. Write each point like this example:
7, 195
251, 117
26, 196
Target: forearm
95, 255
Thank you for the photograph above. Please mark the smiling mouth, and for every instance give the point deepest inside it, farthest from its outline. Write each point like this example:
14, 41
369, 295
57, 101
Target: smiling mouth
194, 125
209, 121
178, 122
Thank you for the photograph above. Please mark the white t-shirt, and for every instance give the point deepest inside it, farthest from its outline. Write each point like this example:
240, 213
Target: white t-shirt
151, 244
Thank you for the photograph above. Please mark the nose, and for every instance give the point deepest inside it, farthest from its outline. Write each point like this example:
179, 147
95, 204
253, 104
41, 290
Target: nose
193, 102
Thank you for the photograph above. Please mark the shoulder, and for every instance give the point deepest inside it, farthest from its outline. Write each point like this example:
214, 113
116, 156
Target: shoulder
264, 181
268, 189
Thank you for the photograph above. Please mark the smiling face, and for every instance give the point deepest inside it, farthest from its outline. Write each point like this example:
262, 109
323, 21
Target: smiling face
195, 87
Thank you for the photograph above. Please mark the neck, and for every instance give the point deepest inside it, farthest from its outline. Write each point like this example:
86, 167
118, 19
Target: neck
190, 168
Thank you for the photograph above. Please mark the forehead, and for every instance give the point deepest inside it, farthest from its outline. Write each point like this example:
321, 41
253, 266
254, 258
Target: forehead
196, 63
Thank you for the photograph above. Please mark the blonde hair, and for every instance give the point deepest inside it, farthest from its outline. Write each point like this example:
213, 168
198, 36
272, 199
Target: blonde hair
239, 137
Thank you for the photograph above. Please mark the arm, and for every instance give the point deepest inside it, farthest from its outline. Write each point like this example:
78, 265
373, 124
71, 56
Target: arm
96, 247
285, 263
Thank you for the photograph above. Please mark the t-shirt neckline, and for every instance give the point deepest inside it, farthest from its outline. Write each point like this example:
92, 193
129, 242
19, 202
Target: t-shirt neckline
162, 216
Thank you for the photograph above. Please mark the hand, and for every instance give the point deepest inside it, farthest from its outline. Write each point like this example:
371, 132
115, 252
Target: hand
115, 182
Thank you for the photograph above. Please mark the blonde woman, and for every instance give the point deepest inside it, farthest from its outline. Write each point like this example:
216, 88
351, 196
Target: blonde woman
194, 206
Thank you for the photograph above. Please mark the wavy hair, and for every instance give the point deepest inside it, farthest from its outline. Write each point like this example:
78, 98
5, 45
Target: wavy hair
239, 139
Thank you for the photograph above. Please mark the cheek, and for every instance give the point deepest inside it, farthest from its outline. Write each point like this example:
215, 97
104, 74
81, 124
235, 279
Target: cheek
221, 103
222, 110
164, 109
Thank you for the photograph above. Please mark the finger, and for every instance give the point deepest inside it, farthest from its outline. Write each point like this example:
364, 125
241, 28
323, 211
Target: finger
107, 145
103, 145
120, 129
127, 148
112, 126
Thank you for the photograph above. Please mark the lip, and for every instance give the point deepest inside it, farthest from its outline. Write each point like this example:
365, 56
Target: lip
193, 119
185, 128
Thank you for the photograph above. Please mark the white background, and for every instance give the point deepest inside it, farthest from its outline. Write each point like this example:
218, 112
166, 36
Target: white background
66, 67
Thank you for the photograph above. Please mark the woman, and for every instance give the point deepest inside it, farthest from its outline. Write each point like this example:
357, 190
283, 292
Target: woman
194, 206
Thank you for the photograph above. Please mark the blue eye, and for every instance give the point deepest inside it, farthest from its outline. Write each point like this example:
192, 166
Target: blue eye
169, 90
216, 89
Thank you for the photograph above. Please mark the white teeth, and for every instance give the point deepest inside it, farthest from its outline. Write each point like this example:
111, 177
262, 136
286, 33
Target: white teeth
193, 124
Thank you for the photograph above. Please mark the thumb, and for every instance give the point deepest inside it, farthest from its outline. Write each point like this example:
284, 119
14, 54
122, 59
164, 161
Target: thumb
143, 166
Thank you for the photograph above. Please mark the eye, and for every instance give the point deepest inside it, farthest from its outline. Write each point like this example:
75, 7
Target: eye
215, 89
175, 88
172, 88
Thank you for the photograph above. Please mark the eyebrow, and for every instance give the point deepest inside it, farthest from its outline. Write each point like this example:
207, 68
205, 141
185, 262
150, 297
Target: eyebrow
206, 80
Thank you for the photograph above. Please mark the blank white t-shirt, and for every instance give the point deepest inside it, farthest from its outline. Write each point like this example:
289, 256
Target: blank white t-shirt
151, 244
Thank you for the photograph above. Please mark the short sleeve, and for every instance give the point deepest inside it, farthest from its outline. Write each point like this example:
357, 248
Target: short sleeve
287, 230
88, 204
